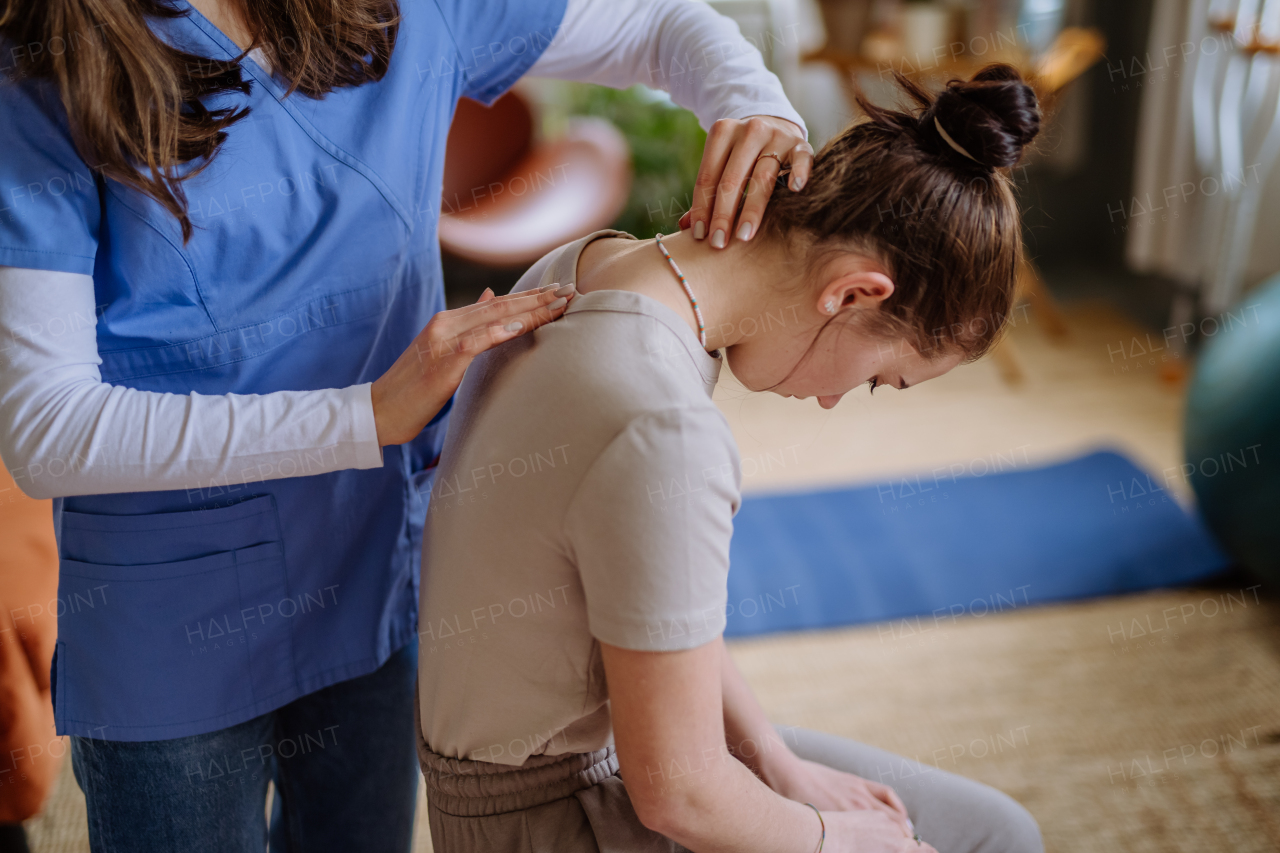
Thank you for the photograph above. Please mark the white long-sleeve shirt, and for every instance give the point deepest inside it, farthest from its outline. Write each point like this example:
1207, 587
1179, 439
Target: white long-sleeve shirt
63, 431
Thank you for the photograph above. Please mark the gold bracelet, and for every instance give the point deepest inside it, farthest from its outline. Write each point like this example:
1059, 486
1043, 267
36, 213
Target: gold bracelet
823, 839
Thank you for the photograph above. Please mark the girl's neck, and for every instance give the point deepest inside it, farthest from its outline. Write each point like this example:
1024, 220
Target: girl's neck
736, 287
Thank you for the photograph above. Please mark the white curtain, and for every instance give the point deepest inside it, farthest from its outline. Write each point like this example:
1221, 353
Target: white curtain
1163, 214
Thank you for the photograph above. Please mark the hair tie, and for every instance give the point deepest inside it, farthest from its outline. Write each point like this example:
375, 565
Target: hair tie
947, 139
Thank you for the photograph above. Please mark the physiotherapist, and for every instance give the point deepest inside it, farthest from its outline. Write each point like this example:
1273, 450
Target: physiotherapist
224, 351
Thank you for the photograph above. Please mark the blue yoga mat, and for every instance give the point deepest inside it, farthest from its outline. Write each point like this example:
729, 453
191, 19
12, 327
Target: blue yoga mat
941, 547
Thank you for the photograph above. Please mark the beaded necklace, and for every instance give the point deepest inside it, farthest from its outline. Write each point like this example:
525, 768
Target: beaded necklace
697, 312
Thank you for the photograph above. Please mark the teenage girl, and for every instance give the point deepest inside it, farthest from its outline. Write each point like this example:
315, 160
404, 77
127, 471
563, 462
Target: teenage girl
575, 690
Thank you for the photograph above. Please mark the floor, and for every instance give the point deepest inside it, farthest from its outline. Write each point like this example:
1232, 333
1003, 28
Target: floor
1120, 727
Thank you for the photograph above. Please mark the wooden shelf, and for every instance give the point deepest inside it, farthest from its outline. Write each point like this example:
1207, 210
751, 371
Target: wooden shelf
1071, 54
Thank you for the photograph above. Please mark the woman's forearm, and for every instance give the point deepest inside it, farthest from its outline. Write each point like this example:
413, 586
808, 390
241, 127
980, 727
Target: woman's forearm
687, 49
63, 431
66, 432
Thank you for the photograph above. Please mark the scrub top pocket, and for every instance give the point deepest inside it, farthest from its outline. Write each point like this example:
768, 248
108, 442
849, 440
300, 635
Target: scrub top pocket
172, 618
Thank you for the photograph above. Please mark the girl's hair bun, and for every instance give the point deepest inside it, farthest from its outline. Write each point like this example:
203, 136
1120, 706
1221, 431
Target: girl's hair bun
992, 116
924, 192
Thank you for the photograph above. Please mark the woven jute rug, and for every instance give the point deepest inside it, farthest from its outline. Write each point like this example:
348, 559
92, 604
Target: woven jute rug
1134, 724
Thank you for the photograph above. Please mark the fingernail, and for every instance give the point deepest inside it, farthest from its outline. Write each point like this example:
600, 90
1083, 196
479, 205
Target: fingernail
558, 304
547, 287
744, 231
717, 239
566, 290
514, 326
699, 230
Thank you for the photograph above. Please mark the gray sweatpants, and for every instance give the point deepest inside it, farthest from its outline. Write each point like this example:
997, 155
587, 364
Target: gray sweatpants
577, 803
954, 814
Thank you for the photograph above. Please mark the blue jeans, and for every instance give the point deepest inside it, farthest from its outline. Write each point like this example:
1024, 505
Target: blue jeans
343, 760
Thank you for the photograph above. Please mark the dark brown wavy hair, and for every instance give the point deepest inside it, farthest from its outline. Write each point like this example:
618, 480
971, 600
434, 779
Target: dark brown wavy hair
944, 225
134, 103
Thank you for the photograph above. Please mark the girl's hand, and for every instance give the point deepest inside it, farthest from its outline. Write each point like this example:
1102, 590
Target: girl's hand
424, 377
732, 156
868, 832
827, 788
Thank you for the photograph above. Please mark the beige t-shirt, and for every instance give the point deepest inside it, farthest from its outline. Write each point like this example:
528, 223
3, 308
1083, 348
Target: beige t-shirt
586, 493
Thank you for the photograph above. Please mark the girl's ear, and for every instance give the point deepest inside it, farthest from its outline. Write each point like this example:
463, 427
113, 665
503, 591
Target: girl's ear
861, 288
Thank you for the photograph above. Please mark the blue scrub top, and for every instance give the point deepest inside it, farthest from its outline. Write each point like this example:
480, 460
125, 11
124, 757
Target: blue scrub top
314, 264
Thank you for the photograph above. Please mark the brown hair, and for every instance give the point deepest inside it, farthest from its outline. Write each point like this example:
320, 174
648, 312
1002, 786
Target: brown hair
133, 102
945, 226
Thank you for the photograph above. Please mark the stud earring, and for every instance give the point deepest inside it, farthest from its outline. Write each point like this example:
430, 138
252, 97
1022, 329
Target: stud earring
830, 307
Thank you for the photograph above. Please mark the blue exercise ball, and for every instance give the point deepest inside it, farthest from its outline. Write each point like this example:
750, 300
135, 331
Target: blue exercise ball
1232, 430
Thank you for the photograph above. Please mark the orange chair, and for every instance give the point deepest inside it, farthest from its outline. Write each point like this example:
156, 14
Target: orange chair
30, 753
507, 200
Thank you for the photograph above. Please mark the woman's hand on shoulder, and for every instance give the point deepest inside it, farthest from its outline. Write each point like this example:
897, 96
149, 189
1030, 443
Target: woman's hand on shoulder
424, 377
